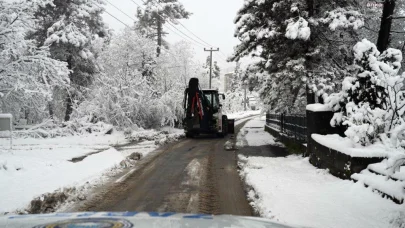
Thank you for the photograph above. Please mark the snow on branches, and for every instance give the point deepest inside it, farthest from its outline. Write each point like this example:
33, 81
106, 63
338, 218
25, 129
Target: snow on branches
298, 29
283, 32
27, 73
342, 18
372, 102
135, 88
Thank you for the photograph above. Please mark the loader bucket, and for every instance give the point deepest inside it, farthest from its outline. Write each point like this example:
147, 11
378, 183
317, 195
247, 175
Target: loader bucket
231, 126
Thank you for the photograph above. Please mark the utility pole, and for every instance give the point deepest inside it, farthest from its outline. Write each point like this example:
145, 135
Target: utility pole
211, 50
245, 98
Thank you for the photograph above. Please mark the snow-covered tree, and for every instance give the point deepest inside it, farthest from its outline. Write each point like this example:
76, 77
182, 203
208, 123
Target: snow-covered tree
156, 14
121, 94
125, 97
27, 73
216, 70
70, 28
296, 43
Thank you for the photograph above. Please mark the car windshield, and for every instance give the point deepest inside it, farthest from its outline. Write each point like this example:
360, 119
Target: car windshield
202, 113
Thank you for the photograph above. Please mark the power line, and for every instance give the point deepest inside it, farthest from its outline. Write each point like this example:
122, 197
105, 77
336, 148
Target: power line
177, 21
171, 25
120, 10
135, 19
116, 19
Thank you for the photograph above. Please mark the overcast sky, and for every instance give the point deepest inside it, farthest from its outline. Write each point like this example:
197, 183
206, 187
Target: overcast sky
212, 21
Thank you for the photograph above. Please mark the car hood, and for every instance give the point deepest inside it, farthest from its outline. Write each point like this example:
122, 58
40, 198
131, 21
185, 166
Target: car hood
134, 219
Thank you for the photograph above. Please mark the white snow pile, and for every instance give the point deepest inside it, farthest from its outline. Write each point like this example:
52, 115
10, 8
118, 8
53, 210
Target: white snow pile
291, 190
381, 183
51, 129
38, 166
382, 169
163, 136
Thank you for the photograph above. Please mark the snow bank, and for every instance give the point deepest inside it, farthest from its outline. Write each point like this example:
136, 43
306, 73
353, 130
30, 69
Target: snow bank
382, 168
318, 108
26, 174
244, 114
98, 139
38, 166
291, 190
346, 146
381, 183
161, 137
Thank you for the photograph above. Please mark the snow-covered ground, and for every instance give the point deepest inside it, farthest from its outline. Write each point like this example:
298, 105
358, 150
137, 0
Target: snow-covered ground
253, 134
38, 166
291, 190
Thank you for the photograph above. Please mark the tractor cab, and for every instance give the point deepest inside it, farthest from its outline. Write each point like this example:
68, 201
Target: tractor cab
213, 98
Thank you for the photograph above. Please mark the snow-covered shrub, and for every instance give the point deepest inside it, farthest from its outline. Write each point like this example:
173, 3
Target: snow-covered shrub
50, 128
372, 102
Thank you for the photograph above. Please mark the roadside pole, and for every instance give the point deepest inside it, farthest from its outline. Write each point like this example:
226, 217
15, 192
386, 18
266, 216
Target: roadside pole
211, 50
245, 98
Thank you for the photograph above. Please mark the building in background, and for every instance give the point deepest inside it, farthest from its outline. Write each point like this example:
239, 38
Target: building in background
228, 81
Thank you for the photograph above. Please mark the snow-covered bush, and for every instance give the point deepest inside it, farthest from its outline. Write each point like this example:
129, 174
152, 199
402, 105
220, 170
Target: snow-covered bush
372, 102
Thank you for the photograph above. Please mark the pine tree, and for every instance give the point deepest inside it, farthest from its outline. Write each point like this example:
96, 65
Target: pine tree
216, 70
295, 44
156, 14
69, 29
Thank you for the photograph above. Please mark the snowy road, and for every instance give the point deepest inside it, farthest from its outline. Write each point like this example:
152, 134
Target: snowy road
193, 176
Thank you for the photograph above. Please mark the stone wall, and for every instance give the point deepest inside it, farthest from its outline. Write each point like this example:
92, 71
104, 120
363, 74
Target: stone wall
339, 164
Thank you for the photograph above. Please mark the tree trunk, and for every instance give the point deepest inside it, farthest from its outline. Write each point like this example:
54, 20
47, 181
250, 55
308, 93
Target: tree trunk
310, 95
385, 28
69, 102
69, 107
310, 4
159, 34
51, 109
